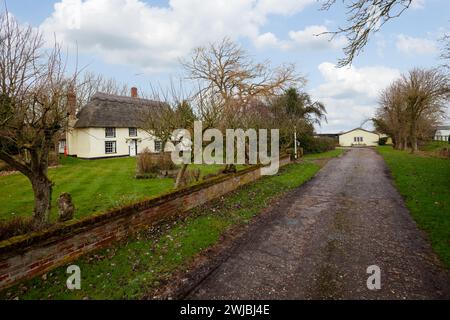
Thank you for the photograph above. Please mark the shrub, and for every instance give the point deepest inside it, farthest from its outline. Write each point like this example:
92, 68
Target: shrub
382, 141
150, 164
15, 227
317, 144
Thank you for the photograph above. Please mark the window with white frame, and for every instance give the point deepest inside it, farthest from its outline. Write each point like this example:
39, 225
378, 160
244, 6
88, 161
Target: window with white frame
158, 146
110, 132
132, 132
110, 147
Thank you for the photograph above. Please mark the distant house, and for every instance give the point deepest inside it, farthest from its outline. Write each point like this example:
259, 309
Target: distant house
109, 126
358, 137
442, 133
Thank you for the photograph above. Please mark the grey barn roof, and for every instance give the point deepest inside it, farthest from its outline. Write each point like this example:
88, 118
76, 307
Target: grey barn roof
443, 128
107, 110
341, 133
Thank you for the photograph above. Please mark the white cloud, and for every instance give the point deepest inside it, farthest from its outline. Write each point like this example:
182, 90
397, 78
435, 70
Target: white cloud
350, 94
310, 38
418, 4
313, 37
285, 7
267, 39
411, 45
153, 37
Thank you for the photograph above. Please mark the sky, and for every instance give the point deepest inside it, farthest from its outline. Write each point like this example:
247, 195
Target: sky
141, 42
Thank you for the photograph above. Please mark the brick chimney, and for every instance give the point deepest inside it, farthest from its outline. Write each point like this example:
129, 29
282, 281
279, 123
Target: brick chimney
134, 92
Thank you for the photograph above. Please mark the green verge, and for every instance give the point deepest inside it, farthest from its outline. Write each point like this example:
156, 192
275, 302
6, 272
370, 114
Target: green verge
324, 155
130, 269
424, 182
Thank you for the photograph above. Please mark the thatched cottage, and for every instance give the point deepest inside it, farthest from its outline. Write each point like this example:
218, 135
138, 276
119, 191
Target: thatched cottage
109, 126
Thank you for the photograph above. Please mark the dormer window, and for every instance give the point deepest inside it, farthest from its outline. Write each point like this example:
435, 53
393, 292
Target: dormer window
110, 132
132, 132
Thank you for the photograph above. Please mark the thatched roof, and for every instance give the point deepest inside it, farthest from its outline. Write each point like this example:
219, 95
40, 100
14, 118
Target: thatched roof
107, 110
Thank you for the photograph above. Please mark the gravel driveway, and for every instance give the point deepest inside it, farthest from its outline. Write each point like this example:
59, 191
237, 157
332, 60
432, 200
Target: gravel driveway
320, 239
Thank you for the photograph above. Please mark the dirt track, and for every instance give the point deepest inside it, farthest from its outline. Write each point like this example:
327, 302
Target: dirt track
320, 239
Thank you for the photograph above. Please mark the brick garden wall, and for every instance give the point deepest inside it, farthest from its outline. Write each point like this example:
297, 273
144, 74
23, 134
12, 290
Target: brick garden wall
27, 256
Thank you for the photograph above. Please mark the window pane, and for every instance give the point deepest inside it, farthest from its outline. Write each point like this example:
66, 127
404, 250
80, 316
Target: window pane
132, 132
158, 146
110, 147
110, 132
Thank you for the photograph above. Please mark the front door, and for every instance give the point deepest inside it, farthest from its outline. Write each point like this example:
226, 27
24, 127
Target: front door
133, 148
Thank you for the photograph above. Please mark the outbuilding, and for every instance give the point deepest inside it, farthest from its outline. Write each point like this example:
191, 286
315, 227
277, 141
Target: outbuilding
359, 137
442, 133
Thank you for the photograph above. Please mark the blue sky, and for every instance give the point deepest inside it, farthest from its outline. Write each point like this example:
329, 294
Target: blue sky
139, 42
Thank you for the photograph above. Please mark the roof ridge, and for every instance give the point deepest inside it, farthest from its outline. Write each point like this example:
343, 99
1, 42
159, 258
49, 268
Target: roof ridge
115, 97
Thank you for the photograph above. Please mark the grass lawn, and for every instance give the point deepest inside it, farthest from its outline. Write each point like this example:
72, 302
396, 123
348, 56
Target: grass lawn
129, 269
324, 155
95, 186
424, 182
435, 146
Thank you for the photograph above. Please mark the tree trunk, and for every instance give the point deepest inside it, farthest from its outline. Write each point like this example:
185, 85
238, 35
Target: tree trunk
180, 175
399, 142
42, 188
413, 141
413, 137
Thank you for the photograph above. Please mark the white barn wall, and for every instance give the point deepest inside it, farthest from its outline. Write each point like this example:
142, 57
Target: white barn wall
369, 138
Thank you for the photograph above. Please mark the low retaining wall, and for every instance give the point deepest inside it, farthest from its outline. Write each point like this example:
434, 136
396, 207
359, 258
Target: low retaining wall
27, 256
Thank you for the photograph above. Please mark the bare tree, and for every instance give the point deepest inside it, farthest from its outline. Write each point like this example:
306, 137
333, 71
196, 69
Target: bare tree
391, 117
231, 83
426, 93
173, 113
364, 17
90, 83
412, 105
445, 51
33, 91
224, 70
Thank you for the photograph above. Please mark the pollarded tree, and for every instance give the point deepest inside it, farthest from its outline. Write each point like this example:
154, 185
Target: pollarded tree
232, 83
225, 71
426, 93
169, 116
410, 106
391, 117
33, 91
